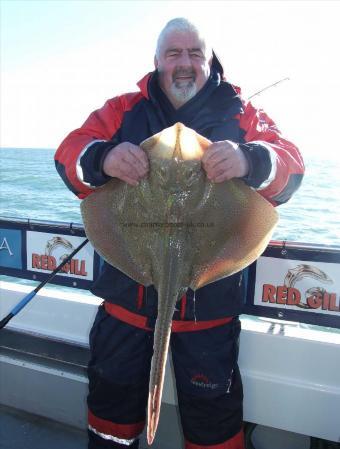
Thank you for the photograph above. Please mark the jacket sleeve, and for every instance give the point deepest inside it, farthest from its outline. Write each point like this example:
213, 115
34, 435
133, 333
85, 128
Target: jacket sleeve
80, 156
276, 167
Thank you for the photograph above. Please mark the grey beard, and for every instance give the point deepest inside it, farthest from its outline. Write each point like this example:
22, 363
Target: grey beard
181, 93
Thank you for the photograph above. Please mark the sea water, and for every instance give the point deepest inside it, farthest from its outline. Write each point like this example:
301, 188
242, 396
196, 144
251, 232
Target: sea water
31, 188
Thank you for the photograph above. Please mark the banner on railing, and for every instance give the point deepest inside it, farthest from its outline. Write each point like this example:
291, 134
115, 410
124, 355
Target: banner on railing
296, 282
290, 281
32, 250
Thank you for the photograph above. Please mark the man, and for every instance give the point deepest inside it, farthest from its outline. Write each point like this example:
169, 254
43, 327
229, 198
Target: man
187, 86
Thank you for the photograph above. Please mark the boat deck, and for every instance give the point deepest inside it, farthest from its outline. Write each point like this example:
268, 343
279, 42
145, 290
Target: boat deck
43, 358
21, 430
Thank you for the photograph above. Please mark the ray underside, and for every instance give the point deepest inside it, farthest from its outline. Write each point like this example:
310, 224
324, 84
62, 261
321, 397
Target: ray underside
176, 230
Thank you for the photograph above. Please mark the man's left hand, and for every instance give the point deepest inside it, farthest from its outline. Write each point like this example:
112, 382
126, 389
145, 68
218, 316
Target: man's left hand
224, 160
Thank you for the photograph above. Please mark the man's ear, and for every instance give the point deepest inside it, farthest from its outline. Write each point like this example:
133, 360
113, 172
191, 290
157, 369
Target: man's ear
155, 61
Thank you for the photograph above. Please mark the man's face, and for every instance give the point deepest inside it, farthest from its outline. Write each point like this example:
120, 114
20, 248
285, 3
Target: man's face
183, 66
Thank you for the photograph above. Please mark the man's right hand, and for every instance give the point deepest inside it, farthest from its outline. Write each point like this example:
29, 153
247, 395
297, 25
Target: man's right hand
127, 162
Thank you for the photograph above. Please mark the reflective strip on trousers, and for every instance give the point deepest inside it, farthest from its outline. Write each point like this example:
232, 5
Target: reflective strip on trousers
105, 436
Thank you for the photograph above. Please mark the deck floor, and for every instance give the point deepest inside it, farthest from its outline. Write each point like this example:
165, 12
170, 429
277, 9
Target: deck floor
21, 430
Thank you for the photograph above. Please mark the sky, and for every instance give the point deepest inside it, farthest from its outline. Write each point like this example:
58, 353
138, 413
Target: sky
62, 59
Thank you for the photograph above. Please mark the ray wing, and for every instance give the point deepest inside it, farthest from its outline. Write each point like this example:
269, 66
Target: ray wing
238, 224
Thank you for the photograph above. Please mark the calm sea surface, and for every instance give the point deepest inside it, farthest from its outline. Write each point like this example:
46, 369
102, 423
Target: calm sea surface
31, 188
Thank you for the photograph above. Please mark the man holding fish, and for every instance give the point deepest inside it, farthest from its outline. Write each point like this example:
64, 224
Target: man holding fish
187, 88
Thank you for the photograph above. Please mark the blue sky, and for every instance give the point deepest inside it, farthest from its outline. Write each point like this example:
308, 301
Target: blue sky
62, 59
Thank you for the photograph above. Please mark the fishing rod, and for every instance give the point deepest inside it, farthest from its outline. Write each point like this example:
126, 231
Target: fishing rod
268, 87
31, 295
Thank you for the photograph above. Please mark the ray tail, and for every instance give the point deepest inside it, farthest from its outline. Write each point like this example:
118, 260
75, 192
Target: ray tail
168, 294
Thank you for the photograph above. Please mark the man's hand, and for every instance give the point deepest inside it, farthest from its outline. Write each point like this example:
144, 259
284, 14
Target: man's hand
224, 160
127, 162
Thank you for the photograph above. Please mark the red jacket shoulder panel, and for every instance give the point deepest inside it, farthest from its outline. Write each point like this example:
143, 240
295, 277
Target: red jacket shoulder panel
257, 124
287, 160
101, 124
129, 100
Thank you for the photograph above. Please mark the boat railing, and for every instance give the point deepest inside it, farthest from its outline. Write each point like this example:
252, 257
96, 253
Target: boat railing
291, 281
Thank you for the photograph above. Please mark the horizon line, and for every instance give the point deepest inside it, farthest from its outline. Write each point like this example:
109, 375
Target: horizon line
26, 148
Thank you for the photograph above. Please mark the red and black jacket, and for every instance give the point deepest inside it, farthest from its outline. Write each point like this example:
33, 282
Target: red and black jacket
219, 113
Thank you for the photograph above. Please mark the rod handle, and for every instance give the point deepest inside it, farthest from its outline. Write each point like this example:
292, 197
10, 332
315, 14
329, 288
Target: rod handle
23, 302
5, 320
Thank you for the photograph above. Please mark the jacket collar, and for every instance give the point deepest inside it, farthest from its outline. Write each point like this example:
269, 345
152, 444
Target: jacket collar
143, 85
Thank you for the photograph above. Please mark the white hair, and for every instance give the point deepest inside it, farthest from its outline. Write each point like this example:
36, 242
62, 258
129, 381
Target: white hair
184, 25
